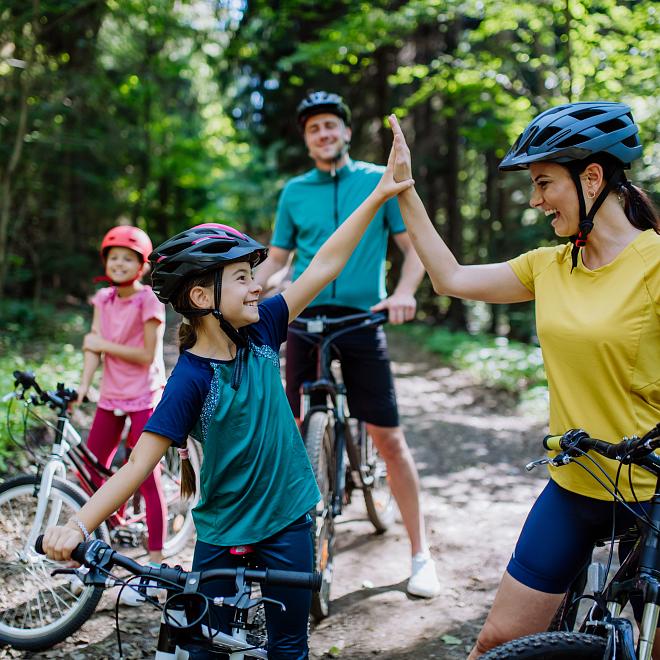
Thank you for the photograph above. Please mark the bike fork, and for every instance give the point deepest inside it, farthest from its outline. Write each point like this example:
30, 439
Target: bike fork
54, 468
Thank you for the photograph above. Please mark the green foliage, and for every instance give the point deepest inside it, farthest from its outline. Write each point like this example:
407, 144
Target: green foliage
41, 339
495, 361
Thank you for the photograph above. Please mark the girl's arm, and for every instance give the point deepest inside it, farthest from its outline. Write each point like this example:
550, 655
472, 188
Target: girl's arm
60, 541
494, 283
91, 361
334, 253
139, 354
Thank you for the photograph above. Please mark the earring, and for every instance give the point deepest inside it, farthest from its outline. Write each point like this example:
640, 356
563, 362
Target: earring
591, 193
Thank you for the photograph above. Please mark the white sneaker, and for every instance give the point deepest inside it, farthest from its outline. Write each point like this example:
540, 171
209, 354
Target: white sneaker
136, 592
76, 585
423, 580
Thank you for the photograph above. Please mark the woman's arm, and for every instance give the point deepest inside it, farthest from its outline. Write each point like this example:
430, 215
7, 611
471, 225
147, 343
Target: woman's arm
494, 283
139, 354
60, 541
334, 253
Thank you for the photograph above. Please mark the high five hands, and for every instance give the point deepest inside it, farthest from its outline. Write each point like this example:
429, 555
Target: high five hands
397, 177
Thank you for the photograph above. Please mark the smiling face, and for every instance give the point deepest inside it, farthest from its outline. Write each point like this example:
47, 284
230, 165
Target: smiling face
326, 135
239, 295
554, 193
122, 265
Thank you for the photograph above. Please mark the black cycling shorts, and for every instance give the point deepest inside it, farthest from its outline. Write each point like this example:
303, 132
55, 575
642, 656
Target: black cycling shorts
365, 367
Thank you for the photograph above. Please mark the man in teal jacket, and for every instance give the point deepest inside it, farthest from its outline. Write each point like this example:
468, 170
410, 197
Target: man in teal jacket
310, 209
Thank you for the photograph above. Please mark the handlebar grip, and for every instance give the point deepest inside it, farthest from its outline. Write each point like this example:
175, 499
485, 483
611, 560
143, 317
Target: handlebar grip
294, 579
552, 442
39, 544
78, 553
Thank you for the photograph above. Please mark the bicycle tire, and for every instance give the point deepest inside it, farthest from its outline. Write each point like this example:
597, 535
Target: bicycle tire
319, 442
38, 610
551, 646
378, 498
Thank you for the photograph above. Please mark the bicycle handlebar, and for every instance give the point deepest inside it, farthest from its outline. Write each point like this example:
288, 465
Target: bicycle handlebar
97, 554
327, 324
630, 450
60, 398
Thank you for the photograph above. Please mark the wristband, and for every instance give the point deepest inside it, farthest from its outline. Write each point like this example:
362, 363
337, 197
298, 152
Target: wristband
81, 526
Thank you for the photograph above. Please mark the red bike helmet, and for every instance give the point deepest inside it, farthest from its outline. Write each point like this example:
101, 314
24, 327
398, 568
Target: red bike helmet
129, 237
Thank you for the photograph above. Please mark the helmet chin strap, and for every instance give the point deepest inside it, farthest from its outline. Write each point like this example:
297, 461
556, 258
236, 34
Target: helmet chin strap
231, 332
579, 240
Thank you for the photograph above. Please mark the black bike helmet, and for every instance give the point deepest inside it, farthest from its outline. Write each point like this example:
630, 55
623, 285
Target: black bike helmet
196, 251
573, 134
316, 103
193, 252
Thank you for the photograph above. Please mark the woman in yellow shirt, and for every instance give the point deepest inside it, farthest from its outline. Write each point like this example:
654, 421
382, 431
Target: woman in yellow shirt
597, 303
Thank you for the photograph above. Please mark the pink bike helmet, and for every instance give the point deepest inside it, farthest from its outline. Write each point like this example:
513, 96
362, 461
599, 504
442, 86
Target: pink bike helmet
129, 237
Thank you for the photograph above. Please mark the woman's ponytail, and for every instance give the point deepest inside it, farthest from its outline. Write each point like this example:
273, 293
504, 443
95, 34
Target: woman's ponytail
638, 207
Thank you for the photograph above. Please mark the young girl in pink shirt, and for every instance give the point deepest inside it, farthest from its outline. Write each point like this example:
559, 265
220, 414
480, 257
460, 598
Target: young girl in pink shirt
127, 332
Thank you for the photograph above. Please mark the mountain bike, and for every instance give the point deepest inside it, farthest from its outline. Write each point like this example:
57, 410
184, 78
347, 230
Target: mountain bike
605, 633
331, 435
38, 610
187, 619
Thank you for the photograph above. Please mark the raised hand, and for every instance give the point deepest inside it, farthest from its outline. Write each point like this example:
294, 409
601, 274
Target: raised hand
402, 167
388, 186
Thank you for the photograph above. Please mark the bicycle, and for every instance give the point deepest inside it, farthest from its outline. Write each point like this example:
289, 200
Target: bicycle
186, 619
330, 435
38, 610
605, 634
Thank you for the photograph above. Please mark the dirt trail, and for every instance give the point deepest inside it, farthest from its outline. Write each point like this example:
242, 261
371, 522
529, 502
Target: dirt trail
470, 446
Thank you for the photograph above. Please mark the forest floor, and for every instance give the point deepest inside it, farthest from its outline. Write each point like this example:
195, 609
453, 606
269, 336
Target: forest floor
470, 444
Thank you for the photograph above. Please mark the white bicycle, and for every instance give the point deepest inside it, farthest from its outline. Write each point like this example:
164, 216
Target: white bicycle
38, 609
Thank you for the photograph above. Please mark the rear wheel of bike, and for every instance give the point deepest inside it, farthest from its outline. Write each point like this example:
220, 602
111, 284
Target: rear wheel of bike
319, 442
38, 609
378, 498
551, 646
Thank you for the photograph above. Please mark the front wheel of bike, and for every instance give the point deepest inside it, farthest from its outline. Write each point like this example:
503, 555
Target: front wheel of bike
320, 444
378, 498
551, 646
38, 609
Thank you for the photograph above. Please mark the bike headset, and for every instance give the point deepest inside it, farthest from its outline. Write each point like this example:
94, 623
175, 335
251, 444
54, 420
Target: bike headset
130, 237
203, 249
572, 134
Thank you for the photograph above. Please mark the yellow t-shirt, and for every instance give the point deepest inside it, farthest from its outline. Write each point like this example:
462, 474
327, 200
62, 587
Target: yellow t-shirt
599, 332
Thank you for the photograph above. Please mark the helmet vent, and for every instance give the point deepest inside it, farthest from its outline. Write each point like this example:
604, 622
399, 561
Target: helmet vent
611, 125
586, 113
573, 140
546, 134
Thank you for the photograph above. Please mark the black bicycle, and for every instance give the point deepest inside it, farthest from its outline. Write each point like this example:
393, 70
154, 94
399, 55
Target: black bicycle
187, 617
331, 435
605, 634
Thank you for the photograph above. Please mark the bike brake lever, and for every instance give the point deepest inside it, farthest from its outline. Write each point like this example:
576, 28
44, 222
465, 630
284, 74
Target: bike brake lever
540, 461
263, 599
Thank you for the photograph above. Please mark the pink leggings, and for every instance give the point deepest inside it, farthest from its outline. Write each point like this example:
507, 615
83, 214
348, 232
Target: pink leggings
103, 440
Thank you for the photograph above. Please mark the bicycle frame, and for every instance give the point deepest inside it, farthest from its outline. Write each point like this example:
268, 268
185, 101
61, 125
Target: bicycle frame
335, 392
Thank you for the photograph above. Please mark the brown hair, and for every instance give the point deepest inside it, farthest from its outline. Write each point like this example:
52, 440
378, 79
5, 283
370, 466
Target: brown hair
637, 205
188, 330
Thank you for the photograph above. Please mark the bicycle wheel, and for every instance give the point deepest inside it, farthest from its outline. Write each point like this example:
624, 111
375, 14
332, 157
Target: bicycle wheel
551, 646
378, 498
38, 609
319, 442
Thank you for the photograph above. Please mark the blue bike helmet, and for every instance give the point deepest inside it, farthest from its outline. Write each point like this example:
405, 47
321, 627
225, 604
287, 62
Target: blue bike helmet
316, 103
575, 131
574, 135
